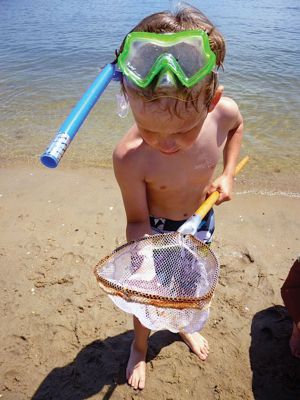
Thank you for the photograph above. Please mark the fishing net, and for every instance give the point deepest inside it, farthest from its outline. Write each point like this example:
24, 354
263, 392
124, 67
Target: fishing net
167, 281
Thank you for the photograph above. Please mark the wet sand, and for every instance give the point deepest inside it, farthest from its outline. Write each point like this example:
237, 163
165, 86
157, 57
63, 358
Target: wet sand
61, 336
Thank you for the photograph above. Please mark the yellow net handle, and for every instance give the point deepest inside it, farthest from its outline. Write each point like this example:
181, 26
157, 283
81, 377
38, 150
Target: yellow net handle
210, 201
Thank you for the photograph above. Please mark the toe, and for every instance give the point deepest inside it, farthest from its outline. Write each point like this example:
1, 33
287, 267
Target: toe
142, 383
137, 385
206, 348
203, 353
134, 383
129, 380
202, 356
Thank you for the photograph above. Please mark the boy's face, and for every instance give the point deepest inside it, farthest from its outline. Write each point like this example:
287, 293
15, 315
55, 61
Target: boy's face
166, 124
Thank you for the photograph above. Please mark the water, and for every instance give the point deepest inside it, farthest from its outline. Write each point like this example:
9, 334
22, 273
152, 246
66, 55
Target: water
51, 51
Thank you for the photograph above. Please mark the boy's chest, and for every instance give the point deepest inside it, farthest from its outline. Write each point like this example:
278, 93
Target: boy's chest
192, 167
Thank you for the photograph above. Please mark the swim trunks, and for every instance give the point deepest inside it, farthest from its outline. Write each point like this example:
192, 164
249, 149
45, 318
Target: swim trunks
204, 231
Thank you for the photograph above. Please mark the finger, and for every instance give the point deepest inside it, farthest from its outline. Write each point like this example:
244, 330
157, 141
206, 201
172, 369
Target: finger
223, 197
213, 187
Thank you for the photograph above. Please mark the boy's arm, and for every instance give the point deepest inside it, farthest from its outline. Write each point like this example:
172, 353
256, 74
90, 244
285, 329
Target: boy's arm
129, 175
224, 183
233, 145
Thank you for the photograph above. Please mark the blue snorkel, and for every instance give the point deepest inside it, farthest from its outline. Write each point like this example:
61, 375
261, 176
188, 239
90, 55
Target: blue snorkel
73, 122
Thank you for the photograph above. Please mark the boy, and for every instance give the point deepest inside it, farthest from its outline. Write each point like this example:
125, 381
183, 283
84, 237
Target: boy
165, 163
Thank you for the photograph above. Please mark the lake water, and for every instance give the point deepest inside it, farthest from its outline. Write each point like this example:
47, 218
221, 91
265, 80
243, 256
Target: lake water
51, 51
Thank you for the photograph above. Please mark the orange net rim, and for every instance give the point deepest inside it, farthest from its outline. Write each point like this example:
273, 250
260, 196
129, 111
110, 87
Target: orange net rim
151, 299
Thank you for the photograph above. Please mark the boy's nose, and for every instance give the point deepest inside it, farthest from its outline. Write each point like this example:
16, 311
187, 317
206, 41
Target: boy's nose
166, 80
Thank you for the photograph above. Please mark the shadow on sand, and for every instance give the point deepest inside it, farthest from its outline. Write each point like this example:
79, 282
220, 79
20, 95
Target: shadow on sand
99, 364
276, 373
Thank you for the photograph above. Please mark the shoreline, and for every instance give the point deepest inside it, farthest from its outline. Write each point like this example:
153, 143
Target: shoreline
63, 338
252, 180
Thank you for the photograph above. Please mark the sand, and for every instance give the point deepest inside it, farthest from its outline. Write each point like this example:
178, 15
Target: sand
61, 336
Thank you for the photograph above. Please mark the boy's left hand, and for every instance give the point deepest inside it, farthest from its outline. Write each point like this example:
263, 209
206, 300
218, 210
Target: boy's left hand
223, 184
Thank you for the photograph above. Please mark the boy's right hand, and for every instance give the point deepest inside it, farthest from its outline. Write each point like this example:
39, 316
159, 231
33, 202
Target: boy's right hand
223, 184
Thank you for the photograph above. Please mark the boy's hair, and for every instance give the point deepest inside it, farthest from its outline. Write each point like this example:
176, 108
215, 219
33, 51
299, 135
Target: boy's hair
187, 18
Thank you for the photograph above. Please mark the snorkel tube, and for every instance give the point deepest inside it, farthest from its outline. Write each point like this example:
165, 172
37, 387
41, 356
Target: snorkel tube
66, 133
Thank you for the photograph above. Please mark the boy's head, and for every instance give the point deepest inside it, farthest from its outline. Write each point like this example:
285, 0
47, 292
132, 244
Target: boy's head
173, 100
185, 19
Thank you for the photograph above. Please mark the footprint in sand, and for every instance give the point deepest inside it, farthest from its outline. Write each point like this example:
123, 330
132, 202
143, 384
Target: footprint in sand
72, 259
264, 284
32, 249
31, 226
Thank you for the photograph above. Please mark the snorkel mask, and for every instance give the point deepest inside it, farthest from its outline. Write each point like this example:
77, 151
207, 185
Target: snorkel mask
186, 55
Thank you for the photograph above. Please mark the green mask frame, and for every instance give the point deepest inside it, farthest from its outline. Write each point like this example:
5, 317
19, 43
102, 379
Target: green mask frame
186, 54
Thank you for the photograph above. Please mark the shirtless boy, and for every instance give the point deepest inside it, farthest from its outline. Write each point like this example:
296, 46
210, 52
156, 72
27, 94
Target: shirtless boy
165, 163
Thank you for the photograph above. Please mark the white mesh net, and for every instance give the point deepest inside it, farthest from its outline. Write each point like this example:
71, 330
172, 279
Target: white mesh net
166, 281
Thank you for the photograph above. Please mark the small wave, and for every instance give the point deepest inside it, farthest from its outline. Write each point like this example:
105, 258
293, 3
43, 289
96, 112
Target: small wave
270, 193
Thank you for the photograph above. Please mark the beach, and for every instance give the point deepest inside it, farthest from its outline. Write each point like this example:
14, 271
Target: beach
62, 337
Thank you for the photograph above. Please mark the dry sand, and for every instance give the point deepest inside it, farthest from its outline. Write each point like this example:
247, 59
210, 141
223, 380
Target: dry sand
62, 338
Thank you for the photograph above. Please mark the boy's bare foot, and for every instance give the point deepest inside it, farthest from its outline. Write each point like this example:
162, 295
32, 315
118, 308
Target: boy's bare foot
197, 343
295, 341
136, 368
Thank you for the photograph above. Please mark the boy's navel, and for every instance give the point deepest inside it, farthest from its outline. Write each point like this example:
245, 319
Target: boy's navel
163, 187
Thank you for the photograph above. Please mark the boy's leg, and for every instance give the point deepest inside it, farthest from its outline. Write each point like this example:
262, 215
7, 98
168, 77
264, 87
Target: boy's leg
136, 366
196, 342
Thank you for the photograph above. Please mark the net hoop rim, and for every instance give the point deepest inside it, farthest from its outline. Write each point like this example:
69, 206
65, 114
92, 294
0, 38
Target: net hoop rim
156, 300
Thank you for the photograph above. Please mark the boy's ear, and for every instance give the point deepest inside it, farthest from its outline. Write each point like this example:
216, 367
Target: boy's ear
215, 100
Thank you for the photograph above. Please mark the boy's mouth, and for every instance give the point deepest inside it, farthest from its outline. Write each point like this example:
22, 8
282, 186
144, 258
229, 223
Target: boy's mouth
169, 152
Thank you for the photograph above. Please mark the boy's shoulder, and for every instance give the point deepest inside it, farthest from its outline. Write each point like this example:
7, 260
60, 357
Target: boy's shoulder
126, 150
227, 109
